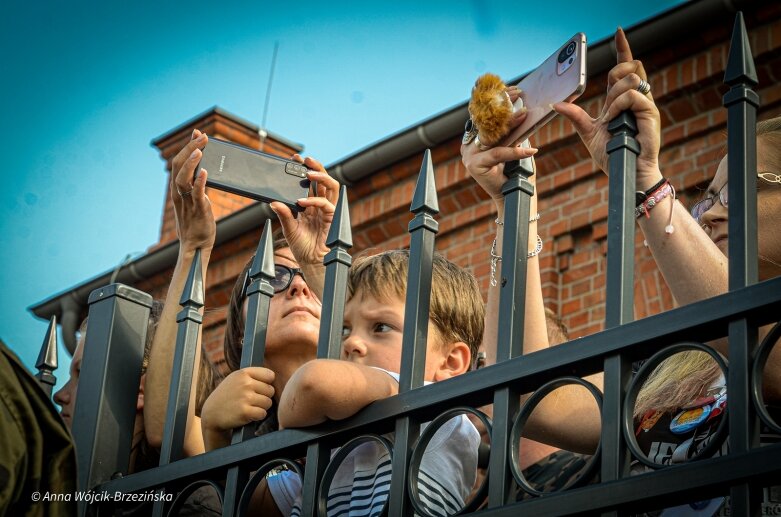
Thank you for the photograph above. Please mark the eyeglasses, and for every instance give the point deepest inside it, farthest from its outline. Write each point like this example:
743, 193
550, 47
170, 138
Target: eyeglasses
283, 277
706, 204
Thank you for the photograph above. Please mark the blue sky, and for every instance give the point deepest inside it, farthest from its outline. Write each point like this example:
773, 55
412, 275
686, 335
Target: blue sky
87, 85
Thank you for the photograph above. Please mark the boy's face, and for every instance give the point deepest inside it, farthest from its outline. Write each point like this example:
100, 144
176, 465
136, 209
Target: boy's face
372, 335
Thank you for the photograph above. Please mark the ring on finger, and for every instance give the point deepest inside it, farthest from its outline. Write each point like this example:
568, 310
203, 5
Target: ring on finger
644, 87
183, 194
470, 132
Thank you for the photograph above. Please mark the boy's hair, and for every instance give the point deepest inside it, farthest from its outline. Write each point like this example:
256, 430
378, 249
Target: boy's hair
457, 309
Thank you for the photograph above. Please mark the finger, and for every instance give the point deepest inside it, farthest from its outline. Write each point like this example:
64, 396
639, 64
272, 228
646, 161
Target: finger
630, 82
623, 52
260, 374
518, 117
313, 164
496, 155
514, 92
631, 99
621, 70
330, 185
199, 191
575, 114
297, 158
317, 202
285, 216
182, 156
184, 178
255, 414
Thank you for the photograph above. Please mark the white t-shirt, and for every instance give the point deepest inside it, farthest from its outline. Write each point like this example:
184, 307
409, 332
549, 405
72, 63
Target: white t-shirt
361, 485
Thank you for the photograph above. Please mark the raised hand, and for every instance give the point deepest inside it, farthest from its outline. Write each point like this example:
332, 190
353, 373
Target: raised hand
195, 224
623, 94
306, 234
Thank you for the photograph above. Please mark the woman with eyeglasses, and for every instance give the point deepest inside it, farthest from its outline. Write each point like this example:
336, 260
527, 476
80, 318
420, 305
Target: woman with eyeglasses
244, 395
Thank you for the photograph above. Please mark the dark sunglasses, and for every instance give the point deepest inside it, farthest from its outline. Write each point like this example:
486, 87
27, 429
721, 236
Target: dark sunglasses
707, 203
283, 277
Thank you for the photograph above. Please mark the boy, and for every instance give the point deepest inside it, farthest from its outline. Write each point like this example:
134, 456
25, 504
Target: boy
371, 351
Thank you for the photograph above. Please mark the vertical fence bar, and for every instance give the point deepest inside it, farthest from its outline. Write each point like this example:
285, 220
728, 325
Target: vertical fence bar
517, 192
337, 265
105, 413
741, 103
422, 229
47, 359
622, 152
189, 320
259, 294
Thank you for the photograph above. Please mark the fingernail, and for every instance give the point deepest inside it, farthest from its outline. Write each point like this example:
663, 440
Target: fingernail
522, 109
193, 136
302, 199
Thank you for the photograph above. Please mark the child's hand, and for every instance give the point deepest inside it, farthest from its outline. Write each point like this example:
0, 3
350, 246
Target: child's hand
243, 397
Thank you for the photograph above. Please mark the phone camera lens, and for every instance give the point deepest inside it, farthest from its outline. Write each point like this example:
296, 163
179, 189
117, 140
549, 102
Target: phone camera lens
567, 51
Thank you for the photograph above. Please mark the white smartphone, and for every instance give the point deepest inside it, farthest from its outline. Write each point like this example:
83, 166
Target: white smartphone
560, 78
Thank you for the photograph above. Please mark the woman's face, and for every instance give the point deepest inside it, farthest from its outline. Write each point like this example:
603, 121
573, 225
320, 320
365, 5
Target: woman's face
715, 220
293, 316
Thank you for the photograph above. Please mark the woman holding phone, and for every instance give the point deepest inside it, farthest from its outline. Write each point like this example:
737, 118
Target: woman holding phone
294, 313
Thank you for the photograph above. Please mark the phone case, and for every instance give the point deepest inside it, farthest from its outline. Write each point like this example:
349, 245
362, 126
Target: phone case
551, 82
253, 174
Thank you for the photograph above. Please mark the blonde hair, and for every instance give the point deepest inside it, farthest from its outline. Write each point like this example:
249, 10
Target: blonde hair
678, 380
457, 310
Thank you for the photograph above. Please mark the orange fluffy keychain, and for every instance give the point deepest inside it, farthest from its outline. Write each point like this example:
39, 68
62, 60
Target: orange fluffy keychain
491, 109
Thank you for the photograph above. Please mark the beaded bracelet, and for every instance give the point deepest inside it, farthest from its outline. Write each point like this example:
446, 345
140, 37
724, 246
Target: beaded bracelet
498, 258
654, 198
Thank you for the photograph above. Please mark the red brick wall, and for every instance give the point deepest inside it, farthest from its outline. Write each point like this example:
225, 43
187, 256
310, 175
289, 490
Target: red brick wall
686, 81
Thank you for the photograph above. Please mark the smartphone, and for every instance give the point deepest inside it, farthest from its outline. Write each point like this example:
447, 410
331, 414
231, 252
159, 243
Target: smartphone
560, 78
253, 174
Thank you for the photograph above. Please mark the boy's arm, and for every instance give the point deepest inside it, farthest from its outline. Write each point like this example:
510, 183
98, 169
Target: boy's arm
328, 389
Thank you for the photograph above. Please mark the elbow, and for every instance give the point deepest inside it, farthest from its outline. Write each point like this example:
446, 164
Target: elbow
303, 400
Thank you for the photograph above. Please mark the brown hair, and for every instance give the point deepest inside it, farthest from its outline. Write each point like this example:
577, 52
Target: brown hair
457, 309
234, 324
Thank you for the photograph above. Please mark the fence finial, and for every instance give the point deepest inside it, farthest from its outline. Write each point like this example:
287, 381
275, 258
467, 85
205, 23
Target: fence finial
192, 294
425, 196
263, 263
340, 232
47, 359
740, 63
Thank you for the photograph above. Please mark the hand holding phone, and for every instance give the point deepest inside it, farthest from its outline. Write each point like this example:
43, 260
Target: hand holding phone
254, 174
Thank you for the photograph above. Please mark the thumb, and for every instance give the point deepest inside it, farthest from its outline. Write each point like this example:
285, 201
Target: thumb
575, 114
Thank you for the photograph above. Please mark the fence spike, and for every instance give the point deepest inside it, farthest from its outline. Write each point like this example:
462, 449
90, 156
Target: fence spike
263, 263
740, 62
425, 195
340, 232
47, 358
192, 294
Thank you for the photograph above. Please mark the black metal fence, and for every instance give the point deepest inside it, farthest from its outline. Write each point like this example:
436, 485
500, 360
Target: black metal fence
105, 413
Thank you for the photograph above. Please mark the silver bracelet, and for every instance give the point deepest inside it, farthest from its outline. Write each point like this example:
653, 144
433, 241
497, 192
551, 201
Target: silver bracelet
531, 220
498, 258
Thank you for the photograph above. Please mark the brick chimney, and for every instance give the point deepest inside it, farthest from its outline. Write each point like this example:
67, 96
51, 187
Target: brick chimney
218, 123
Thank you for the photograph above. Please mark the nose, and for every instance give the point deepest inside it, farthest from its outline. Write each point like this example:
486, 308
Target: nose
716, 214
298, 287
353, 346
63, 396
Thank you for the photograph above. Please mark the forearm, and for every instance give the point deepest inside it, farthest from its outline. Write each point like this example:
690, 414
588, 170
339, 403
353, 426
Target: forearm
159, 371
328, 389
535, 333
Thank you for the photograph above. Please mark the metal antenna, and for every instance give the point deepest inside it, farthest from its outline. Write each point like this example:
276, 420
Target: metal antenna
263, 133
